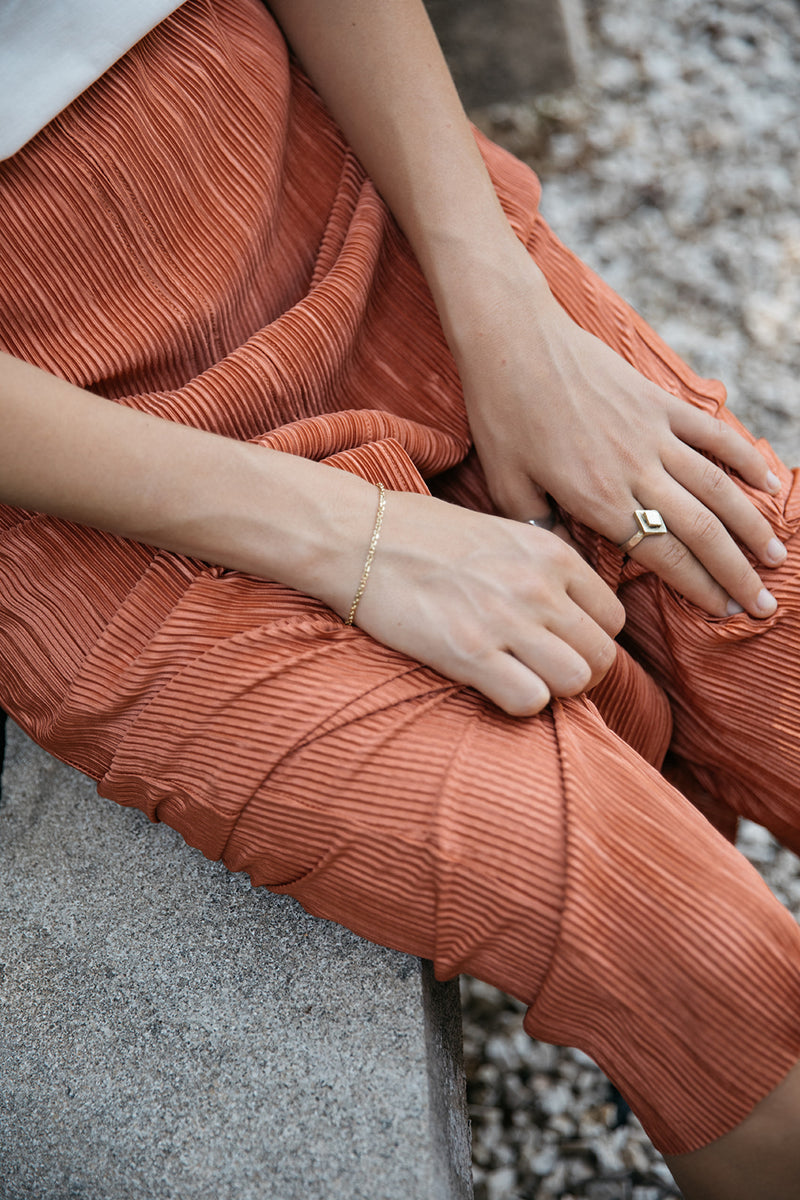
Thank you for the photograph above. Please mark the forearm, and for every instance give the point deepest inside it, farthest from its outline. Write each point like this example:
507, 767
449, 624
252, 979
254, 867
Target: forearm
381, 72
71, 454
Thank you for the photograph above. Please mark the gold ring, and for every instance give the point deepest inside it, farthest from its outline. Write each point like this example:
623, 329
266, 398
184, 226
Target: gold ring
650, 522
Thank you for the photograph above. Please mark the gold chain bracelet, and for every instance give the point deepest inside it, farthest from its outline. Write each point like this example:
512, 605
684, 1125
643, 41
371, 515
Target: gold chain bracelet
376, 533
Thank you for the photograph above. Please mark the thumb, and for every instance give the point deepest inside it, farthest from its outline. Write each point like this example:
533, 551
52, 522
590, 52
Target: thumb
532, 504
524, 500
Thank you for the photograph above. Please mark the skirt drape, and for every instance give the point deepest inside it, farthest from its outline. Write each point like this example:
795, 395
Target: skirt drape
192, 237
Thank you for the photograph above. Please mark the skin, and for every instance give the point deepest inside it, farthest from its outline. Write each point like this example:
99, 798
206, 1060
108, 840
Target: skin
455, 589
511, 340
520, 620
759, 1158
488, 601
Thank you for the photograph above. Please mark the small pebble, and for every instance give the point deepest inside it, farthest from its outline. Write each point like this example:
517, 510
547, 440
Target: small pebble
500, 1185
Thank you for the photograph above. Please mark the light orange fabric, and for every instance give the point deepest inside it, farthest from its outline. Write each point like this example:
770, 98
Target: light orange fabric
192, 237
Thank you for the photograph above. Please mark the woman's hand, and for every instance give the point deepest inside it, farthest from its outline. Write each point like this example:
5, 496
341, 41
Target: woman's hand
553, 409
508, 609
502, 606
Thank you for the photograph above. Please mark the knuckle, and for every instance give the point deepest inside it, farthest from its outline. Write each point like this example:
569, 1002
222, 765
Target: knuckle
718, 435
464, 642
705, 527
714, 479
746, 580
468, 648
561, 554
604, 491
674, 554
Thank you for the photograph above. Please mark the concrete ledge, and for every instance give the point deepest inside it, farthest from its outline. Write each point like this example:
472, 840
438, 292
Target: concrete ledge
508, 50
168, 1032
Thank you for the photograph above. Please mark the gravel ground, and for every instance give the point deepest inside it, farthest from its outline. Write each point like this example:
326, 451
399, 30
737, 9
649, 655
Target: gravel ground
676, 174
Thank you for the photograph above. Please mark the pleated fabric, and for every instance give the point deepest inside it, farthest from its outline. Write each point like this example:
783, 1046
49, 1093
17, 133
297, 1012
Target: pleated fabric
193, 238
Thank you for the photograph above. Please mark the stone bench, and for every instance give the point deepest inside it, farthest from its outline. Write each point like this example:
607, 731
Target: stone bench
170, 1033
509, 50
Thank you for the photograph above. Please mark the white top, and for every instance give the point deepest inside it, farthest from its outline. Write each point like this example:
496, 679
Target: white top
52, 50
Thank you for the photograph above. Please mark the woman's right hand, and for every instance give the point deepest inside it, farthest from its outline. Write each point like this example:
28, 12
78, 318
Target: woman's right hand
499, 605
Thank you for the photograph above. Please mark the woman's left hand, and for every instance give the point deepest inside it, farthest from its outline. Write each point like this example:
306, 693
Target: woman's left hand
554, 410
551, 408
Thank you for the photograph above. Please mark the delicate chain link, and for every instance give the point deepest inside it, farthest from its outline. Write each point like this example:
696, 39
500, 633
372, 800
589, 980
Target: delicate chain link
376, 533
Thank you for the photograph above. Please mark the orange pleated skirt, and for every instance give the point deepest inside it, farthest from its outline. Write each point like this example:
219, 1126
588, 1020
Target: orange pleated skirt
193, 238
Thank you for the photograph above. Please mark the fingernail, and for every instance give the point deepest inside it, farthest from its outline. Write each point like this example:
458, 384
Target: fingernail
773, 483
766, 602
734, 608
776, 551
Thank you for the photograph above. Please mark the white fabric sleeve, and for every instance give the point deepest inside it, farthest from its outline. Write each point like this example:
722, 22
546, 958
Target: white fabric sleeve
52, 50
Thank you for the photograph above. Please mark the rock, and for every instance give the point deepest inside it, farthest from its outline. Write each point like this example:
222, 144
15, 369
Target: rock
513, 48
554, 1183
500, 1185
555, 1099
503, 1054
609, 1189
169, 1031
544, 1162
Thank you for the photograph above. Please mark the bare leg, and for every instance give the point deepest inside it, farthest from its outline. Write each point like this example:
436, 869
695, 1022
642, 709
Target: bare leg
759, 1158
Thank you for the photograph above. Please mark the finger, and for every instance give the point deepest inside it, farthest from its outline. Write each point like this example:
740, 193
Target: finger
704, 432
699, 559
588, 640
595, 599
712, 546
550, 522
565, 672
560, 530
721, 495
509, 684
521, 499
669, 558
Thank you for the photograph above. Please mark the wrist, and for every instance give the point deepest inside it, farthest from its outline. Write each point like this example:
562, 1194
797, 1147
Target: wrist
253, 509
289, 519
481, 288
234, 504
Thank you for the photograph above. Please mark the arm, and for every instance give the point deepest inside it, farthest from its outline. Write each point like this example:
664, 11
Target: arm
507, 609
381, 72
74, 455
551, 408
